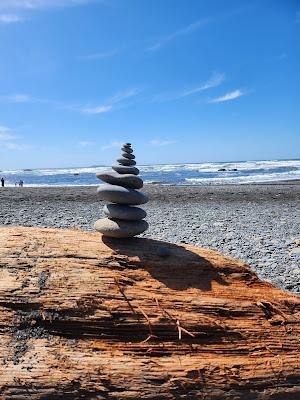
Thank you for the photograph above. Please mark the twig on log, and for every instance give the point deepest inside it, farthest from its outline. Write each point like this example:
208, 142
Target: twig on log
126, 298
175, 321
151, 336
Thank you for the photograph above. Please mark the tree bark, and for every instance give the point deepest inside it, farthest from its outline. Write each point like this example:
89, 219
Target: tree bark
83, 317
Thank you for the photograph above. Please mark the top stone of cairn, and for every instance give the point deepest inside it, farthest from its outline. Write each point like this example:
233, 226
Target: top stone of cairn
120, 189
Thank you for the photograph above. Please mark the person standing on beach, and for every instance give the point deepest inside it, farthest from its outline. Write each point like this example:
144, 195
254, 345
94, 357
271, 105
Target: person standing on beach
2, 182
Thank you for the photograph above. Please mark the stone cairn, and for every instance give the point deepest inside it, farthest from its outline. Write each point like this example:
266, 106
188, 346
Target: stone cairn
120, 189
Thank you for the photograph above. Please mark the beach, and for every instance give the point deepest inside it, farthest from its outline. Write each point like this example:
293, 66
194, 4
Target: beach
256, 223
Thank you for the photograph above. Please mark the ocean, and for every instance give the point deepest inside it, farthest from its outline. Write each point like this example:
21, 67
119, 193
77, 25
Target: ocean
214, 173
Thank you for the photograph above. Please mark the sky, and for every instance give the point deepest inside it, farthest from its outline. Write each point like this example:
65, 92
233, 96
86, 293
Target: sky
183, 81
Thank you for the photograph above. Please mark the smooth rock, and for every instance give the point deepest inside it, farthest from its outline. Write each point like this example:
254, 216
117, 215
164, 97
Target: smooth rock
127, 149
124, 212
120, 229
121, 195
127, 144
129, 156
126, 180
125, 161
296, 251
123, 169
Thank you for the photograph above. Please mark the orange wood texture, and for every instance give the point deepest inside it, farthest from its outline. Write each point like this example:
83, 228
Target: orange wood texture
83, 317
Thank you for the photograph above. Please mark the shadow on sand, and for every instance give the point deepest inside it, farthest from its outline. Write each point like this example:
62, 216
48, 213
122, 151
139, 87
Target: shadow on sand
175, 266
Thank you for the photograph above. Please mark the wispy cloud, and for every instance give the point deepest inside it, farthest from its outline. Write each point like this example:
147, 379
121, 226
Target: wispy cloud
85, 143
7, 138
14, 146
10, 18
282, 56
114, 102
6, 133
112, 145
215, 80
34, 4
228, 96
17, 98
100, 55
97, 110
160, 142
177, 34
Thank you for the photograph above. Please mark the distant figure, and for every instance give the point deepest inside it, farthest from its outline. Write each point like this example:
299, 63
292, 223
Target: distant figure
2, 182
21, 183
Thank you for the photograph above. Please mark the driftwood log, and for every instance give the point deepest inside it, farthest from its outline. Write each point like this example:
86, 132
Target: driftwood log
87, 318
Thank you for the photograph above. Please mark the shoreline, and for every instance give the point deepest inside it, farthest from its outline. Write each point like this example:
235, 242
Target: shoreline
256, 223
280, 182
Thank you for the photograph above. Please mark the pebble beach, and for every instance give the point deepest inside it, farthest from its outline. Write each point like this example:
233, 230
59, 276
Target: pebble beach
256, 223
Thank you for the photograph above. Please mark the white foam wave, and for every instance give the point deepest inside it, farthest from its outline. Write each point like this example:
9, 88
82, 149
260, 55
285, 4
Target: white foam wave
55, 171
280, 176
201, 167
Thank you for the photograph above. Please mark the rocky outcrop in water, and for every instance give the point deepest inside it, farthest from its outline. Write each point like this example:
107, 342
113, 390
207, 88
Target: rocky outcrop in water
121, 190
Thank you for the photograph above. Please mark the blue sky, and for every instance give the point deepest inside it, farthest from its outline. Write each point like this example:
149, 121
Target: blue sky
184, 81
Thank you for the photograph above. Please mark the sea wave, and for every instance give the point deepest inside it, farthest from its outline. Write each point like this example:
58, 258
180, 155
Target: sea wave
176, 174
258, 178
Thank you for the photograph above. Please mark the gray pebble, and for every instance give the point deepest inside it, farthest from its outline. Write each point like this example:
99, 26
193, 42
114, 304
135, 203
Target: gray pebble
126, 180
122, 169
124, 212
121, 195
126, 161
119, 228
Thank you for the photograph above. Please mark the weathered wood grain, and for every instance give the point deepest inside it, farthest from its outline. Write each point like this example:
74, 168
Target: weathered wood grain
82, 318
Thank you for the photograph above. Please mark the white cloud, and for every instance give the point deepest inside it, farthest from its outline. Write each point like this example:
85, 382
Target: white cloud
6, 133
85, 143
159, 142
228, 96
20, 98
120, 96
114, 102
112, 145
9, 18
13, 146
33, 4
6, 137
182, 32
215, 80
98, 56
97, 109
16, 98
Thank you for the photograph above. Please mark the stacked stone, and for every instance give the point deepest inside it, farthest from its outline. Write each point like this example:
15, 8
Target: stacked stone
121, 190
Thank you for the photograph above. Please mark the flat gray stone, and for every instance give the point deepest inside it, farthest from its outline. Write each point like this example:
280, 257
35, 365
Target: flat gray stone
125, 161
120, 229
129, 156
296, 251
124, 212
125, 180
123, 169
127, 145
127, 150
121, 195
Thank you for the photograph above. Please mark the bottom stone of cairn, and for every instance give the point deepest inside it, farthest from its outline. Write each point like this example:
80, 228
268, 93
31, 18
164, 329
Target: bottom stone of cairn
119, 228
